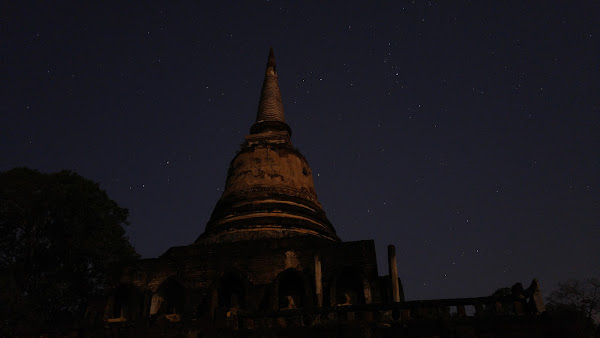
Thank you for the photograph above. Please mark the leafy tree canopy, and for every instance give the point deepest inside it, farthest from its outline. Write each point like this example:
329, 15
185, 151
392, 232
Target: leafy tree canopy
61, 240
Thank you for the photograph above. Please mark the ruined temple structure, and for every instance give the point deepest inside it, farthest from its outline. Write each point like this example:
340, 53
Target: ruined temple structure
270, 263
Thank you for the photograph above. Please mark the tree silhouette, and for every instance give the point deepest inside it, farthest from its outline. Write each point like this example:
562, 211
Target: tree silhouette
580, 296
61, 238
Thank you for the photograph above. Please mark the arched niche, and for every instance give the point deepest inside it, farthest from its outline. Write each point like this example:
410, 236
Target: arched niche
349, 288
228, 294
124, 303
231, 290
169, 299
291, 290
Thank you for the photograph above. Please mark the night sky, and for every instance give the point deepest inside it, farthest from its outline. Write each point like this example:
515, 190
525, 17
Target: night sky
465, 133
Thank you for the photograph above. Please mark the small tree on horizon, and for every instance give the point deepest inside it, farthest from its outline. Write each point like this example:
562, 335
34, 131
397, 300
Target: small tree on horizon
578, 296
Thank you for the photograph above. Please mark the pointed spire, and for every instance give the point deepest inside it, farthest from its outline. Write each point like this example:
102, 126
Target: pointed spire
271, 61
270, 107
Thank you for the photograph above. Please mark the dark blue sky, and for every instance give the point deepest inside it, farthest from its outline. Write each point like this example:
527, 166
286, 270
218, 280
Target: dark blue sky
465, 133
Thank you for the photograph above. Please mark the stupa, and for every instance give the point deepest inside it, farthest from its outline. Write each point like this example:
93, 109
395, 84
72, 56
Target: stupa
269, 263
269, 192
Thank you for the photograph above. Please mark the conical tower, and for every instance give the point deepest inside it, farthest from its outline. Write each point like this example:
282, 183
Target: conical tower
269, 192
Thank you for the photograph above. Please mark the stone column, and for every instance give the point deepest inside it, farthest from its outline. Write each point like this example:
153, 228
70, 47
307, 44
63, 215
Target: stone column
537, 297
393, 269
318, 278
367, 291
214, 303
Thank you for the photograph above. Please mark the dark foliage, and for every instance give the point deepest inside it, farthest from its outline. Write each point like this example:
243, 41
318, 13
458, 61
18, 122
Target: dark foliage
573, 309
577, 296
61, 241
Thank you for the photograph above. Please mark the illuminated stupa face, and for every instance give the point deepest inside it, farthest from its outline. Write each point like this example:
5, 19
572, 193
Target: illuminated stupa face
269, 192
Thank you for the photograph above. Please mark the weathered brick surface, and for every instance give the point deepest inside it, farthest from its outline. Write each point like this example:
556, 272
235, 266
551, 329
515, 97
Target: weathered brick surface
258, 264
